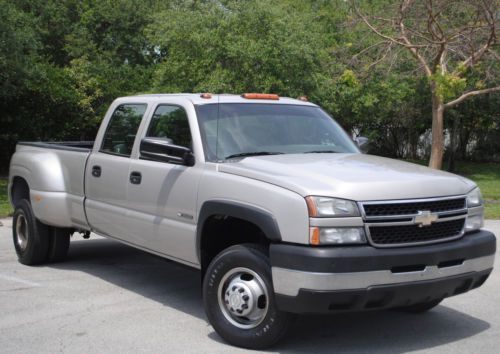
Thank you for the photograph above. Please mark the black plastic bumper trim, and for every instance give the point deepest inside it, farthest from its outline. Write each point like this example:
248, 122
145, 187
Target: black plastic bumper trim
346, 259
381, 296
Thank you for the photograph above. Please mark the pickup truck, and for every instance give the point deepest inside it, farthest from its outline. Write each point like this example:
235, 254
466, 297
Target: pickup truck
268, 197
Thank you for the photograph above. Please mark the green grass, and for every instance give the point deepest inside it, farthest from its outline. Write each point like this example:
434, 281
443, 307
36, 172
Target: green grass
5, 209
486, 175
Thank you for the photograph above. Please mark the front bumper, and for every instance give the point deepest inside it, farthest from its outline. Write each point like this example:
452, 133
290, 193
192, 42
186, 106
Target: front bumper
323, 279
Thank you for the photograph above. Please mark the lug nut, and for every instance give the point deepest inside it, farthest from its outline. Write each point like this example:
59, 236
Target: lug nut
241, 290
246, 297
244, 306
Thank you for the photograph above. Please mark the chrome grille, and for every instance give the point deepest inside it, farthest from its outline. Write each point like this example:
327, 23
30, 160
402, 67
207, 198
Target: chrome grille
387, 235
409, 208
401, 223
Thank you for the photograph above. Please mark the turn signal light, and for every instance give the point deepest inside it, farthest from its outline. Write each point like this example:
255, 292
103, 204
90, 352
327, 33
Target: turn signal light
314, 238
261, 96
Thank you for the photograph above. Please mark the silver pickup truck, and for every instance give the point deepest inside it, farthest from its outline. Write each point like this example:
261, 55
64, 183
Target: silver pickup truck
268, 197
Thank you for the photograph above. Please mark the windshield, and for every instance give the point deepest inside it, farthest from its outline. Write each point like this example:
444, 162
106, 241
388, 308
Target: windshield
250, 129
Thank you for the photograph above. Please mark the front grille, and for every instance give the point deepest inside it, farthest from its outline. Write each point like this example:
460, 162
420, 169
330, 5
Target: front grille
404, 234
409, 208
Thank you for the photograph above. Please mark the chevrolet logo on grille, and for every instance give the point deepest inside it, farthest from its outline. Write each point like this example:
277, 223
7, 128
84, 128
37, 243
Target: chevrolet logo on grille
425, 218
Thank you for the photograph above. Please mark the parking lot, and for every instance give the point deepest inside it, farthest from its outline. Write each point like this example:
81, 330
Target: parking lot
108, 297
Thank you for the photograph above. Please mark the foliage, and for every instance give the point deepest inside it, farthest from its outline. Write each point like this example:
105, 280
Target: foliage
5, 208
62, 62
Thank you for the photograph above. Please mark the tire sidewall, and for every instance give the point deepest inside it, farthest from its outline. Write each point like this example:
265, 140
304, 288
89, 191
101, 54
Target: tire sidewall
272, 326
36, 248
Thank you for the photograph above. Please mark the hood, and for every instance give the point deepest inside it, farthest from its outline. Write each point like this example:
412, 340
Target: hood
357, 177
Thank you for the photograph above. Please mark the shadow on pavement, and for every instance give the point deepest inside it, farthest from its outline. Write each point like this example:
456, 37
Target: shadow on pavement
179, 287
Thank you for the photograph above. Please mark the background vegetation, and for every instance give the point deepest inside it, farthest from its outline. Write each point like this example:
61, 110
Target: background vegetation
63, 61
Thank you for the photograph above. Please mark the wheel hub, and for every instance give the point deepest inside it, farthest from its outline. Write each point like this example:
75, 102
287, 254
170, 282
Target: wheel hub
22, 232
239, 298
243, 298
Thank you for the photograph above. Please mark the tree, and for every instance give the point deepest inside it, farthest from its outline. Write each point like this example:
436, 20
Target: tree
452, 43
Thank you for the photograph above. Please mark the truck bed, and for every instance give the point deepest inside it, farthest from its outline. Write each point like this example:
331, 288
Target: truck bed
55, 173
61, 145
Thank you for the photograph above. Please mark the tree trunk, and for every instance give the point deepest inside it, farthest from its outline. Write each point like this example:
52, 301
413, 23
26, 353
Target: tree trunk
453, 145
437, 148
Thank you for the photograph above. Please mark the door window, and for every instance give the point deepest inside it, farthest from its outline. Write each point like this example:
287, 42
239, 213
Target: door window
122, 129
170, 123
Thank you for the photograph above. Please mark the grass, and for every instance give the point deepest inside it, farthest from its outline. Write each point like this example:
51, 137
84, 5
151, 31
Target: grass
486, 175
5, 209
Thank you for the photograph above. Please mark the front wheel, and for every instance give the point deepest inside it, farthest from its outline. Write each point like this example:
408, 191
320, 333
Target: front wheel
239, 301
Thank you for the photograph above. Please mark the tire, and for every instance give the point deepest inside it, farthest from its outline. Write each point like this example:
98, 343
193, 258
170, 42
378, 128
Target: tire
58, 244
30, 236
421, 307
241, 276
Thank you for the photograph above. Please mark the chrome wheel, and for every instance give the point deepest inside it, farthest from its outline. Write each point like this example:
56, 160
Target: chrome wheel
243, 298
22, 232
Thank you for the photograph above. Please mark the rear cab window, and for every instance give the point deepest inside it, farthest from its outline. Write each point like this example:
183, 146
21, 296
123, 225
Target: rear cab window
122, 129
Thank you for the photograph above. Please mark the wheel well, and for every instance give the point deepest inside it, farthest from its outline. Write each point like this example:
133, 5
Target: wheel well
222, 231
20, 190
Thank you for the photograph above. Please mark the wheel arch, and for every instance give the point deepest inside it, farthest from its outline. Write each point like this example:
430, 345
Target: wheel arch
252, 218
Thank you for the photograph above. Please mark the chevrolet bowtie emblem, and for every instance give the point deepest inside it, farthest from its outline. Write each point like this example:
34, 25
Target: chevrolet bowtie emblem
425, 218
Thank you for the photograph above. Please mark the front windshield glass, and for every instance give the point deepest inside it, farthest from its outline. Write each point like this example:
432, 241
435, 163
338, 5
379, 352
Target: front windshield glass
245, 129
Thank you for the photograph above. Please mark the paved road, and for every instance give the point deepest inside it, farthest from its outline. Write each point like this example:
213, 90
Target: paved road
111, 298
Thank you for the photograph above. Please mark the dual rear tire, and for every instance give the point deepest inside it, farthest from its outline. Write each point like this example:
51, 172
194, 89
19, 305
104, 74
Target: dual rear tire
35, 242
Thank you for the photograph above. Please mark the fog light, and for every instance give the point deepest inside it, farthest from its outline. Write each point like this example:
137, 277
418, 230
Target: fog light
340, 235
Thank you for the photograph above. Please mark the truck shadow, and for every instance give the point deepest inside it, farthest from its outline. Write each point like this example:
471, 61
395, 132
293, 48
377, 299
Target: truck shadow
178, 287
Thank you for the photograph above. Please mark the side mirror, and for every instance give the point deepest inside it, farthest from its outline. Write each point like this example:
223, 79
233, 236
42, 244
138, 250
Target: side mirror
162, 150
363, 144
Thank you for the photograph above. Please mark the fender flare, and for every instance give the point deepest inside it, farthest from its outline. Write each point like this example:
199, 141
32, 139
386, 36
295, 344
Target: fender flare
256, 215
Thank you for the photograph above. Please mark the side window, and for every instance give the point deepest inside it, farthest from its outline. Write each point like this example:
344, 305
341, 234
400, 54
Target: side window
170, 123
122, 129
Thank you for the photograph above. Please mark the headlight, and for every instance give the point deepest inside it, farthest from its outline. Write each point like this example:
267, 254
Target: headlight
324, 207
337, 235
474, 198
475, 216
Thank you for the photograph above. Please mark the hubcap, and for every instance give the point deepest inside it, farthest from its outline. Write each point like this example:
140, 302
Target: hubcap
22, 232
243, 298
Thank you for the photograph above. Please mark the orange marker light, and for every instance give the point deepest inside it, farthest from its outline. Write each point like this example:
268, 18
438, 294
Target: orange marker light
314, 235
261, 96
206, 95
311, 207
303, 98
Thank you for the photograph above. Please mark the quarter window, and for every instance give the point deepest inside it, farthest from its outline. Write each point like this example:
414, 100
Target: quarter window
170, 123
122, 129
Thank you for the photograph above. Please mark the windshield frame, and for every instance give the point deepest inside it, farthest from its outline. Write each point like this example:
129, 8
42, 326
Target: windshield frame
203, 134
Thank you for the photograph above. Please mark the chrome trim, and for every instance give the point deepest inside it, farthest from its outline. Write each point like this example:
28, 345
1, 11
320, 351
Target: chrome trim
289, 281
407, 201
442, 217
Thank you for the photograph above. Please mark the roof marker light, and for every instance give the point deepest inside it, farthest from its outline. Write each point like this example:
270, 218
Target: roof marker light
303, 98
206, 95
260, 96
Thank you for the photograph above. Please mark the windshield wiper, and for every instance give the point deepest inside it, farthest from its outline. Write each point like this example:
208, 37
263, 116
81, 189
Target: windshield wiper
254, 153
321, 152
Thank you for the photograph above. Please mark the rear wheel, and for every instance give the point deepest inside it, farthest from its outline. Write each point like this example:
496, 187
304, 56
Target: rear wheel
239, 301
421, 307
31, 237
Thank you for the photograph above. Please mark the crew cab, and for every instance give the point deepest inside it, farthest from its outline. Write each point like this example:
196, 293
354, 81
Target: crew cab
268, 197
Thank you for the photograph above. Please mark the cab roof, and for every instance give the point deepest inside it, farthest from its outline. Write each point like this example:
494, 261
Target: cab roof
196, 99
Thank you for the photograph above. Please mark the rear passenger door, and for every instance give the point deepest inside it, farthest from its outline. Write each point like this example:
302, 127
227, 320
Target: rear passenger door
107, 172
163, 203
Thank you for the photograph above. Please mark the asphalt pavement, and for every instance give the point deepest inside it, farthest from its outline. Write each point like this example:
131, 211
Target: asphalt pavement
110, 298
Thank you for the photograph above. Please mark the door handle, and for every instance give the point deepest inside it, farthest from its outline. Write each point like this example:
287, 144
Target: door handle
135, 177
96, 171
